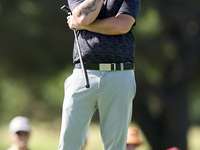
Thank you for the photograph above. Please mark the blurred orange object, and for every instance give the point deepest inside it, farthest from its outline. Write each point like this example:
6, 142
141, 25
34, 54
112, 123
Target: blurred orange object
173, 148
132, 136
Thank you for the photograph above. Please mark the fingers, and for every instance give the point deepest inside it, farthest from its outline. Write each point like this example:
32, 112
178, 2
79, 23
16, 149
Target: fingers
69, 22
68, 17
73, 24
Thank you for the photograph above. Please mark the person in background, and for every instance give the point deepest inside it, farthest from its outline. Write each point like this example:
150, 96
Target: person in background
19, 129
132, 139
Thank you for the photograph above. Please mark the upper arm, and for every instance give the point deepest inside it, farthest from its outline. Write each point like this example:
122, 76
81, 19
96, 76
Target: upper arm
131, 8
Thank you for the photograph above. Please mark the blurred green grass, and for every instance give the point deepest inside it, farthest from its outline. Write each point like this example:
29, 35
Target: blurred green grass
46, 137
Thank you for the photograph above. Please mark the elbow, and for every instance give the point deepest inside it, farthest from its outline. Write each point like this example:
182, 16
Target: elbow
84, 21
81, 18
125, 23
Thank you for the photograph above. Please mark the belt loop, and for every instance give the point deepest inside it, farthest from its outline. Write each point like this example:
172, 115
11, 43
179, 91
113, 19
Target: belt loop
114, 66
122, 66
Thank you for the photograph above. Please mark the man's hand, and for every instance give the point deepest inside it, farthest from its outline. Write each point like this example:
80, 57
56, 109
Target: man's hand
73, 24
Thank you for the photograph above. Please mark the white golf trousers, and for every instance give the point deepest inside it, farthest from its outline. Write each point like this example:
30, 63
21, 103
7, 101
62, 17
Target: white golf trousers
112, 93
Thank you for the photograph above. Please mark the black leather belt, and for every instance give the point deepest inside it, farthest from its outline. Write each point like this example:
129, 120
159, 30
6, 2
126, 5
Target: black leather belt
108, 66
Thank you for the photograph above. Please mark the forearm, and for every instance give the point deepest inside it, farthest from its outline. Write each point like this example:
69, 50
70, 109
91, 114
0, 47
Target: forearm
116, 25
87, 11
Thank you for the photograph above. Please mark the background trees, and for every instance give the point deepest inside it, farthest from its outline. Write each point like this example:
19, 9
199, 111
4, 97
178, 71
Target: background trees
36, 57
167, 74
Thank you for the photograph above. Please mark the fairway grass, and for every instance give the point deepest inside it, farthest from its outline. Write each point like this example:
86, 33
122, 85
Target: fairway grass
45, 137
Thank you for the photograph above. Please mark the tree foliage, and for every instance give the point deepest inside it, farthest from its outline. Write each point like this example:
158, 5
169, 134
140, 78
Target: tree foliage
167, 71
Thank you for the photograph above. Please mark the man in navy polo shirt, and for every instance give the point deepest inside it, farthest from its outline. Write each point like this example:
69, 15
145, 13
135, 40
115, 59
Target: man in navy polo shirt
104, 29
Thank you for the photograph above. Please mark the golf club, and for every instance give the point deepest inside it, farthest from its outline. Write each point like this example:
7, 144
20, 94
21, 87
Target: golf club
66, 9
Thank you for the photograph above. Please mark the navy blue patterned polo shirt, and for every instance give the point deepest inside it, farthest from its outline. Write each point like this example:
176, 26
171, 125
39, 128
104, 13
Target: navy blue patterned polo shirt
99, 48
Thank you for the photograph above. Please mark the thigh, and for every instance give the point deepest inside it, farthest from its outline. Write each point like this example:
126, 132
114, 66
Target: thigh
78, 107
115, 108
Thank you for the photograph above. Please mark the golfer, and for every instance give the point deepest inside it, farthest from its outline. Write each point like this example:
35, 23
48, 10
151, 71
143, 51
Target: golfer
104, 30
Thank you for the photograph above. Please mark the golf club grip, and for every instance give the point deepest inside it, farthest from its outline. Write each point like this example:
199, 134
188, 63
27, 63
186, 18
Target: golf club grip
87, 85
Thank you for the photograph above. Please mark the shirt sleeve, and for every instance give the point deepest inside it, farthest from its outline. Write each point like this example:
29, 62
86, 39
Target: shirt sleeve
73, 3
130, 7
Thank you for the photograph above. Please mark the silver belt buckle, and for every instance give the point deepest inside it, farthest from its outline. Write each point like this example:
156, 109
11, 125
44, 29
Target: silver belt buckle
105, 67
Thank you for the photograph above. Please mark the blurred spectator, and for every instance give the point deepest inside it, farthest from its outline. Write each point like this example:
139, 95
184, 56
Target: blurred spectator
132, 139
19, 129
173, 148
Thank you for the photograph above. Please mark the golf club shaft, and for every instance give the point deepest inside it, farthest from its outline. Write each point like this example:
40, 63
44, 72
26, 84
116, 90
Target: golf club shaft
87, 85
